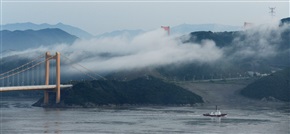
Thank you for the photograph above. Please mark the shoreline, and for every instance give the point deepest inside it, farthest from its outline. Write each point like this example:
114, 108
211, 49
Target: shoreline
227, 93
221, 93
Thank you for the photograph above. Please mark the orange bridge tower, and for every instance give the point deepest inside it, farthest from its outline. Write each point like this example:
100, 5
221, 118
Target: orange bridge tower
48, 57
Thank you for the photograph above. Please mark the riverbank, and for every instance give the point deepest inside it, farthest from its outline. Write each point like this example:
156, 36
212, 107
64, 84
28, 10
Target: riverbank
226, 93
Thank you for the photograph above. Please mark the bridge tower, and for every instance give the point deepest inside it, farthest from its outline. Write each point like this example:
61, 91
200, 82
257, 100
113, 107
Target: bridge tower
48, 57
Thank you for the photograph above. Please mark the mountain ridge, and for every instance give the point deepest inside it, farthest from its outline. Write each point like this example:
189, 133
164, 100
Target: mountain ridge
130, 34
19, 40
189, 28
29, 25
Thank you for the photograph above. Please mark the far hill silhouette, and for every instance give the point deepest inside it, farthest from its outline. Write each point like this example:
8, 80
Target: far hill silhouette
19, 40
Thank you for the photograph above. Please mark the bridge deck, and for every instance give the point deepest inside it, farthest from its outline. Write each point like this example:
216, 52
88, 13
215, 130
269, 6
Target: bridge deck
36, 87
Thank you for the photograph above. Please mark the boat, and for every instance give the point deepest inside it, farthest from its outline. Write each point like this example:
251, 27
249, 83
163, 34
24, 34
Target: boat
217, 113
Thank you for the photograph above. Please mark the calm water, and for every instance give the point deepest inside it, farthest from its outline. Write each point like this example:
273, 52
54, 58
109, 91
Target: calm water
17, 116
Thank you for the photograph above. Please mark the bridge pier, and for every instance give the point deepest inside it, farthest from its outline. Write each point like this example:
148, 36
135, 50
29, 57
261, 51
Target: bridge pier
47, 69
46, 97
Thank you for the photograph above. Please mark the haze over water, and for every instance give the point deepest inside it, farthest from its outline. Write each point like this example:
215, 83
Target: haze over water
17, 116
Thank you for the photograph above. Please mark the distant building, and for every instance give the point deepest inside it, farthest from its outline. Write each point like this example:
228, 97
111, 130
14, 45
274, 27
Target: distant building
256, 74
251, 73
248, 25
263, 75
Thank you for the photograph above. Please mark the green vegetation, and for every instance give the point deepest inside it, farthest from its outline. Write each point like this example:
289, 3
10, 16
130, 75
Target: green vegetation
235, 62
141, 91
222, 39
276, 85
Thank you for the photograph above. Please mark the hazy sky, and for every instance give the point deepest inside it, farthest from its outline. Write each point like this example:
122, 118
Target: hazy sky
104, 16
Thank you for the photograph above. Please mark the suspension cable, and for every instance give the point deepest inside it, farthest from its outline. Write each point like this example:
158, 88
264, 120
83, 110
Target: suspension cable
83, 68
94, 78
26, 68
22, 65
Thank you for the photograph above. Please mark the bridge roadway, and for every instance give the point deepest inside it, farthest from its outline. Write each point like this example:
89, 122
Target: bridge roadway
36, 87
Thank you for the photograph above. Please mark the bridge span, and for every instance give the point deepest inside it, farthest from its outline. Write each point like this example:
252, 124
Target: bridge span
46, 87
34, 87
28, 76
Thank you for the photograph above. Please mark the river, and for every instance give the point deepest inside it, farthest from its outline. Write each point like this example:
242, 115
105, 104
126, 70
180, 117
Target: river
18, 116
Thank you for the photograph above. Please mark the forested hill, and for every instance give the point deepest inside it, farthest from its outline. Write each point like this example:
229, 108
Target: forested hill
259, 49
276, 85
222, 39
141, 91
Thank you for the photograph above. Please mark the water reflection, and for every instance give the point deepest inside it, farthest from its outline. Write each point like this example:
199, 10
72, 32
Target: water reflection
216, 119
51, 122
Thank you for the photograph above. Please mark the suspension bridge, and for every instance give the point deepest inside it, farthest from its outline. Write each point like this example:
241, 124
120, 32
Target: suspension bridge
29, 76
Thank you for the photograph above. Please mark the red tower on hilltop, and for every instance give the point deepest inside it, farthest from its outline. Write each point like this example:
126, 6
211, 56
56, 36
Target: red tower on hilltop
166, 28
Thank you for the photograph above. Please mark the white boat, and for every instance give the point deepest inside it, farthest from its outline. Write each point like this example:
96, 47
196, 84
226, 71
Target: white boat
216, 113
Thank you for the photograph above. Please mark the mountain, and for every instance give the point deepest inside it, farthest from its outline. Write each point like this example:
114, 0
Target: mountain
243, 51
285, 21
19, 40
141, 91
188, 28
276, 85
222, 39
129, 34
31, 26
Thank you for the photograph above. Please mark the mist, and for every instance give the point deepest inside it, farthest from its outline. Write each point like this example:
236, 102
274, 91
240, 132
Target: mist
261, 42
156, 48
150, 49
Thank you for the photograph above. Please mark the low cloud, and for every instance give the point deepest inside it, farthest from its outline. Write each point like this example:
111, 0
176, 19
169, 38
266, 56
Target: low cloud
153, 48
261, 41
156, 48
150, 49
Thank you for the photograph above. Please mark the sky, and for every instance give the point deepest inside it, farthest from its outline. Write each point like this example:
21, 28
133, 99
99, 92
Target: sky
98, 17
